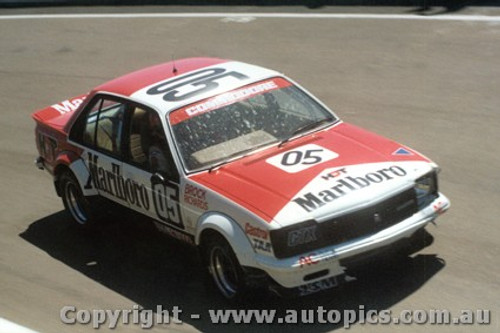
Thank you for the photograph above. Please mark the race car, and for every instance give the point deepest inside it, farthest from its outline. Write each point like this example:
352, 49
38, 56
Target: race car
243, 163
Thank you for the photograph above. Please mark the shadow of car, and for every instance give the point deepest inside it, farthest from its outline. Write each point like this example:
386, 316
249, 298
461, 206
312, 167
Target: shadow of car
134, 260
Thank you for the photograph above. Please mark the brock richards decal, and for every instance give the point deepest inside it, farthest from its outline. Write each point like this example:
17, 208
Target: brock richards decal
165, 197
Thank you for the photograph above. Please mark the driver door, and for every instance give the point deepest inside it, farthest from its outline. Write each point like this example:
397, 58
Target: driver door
150, 166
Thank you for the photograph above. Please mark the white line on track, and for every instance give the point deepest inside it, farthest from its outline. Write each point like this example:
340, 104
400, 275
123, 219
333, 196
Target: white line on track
472, 18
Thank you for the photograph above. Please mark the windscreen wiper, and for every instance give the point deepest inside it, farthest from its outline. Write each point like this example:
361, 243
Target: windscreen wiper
238, 155
304, 128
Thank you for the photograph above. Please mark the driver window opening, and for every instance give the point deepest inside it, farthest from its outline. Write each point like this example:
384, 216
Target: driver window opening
148, 144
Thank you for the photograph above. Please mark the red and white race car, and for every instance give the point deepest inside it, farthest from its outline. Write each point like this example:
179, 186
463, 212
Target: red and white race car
243, 163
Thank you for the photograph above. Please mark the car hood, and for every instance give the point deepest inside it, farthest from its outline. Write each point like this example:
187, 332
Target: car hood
347, 168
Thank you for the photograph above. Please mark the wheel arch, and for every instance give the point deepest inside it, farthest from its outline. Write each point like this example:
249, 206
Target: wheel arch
59, 170
215, 223
69, 161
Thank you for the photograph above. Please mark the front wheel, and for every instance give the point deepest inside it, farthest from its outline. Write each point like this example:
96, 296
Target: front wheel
224, 268
74, 201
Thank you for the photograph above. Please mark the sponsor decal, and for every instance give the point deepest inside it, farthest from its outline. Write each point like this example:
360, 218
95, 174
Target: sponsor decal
316, 257
195, 196
302, 158
345, 185
334, 174
307, 260
113, 183
176, 233
261, 234
230, 98
256, 232
261, 245
439, 207
165, 197
226, 99
302, 236
402, 151
317, 286
68, 105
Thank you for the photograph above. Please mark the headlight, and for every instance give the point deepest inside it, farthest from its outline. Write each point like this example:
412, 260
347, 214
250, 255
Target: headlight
295, 239
426, 189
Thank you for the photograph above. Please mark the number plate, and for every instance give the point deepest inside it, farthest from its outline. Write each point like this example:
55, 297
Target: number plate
317, 286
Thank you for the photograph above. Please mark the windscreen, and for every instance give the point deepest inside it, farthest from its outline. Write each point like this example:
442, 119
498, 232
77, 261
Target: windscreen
240, 121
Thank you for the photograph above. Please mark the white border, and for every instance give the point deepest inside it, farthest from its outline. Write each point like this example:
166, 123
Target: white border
469, 18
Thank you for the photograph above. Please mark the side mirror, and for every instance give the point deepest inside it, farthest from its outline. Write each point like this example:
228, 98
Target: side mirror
157, 178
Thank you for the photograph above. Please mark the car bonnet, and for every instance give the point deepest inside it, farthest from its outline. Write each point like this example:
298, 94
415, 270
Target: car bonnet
317, 176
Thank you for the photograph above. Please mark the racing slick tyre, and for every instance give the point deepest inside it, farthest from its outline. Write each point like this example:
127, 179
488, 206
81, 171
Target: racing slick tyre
78, 206
223, 268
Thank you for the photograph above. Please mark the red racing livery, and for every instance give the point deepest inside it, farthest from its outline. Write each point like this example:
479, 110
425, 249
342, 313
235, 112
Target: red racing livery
242, 162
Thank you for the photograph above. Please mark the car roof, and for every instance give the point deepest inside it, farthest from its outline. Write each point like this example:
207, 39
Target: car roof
184, 78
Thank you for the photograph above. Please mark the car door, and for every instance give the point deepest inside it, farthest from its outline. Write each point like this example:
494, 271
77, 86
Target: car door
150, 165
99, 129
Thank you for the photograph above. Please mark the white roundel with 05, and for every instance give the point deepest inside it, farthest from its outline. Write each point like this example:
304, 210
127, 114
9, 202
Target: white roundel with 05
301, 158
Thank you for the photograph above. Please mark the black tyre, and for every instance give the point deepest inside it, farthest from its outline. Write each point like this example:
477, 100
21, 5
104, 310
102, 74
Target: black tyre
223, 267
74, 201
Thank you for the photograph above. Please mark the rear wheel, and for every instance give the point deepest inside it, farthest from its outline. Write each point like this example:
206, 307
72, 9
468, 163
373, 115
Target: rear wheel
74, 201
224, 268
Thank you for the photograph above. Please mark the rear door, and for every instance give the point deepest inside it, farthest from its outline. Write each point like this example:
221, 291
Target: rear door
99, 129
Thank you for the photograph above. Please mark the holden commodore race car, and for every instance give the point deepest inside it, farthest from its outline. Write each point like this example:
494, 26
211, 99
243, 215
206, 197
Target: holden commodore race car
242, 162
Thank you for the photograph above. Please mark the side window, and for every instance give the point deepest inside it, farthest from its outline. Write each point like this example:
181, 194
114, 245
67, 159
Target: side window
109, 126
103, 126
90, 124
138, 154
148, 144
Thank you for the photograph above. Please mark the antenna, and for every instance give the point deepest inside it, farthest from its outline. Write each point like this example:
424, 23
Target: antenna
174, 68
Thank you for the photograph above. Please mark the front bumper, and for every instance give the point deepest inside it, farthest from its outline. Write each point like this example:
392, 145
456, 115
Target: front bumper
321, 268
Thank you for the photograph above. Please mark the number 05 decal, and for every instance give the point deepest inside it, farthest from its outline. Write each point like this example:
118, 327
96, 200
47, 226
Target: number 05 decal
301, 158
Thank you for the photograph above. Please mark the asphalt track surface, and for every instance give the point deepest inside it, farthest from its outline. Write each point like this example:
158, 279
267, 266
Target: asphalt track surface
433, 85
